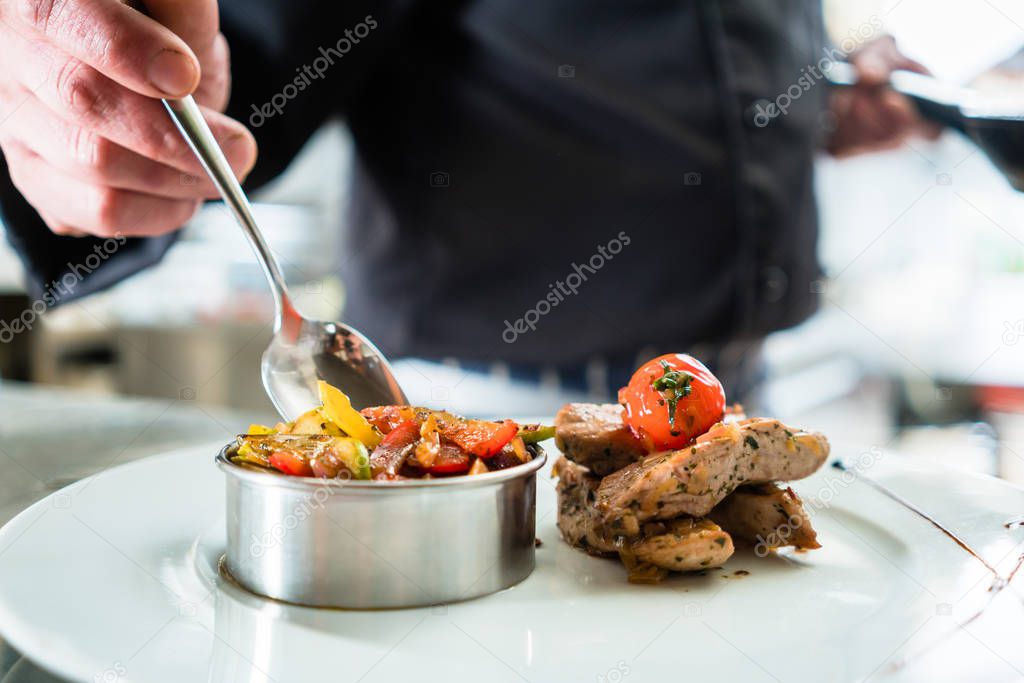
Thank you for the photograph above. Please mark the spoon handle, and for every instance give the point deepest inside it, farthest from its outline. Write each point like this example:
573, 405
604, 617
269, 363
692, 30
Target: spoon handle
189, 119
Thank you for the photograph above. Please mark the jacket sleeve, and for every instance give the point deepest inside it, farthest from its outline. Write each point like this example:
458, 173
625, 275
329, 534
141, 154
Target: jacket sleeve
293, 65
60, 269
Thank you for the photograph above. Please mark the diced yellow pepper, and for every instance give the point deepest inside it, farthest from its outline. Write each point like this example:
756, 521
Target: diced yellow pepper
338, 407
314, 422
260, 429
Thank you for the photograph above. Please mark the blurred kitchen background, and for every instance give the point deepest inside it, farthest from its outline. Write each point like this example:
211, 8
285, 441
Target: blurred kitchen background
919, 347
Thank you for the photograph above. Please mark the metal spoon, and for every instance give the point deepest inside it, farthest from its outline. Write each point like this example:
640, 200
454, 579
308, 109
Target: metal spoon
302, 351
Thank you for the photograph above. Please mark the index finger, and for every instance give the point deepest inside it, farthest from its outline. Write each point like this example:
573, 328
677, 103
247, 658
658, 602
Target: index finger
116, 40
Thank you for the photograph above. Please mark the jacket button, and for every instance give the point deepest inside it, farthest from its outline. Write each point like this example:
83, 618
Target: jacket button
774, 284
760, 113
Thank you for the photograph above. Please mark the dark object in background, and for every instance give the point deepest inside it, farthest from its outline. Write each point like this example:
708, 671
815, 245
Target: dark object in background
15, 361
1002, 140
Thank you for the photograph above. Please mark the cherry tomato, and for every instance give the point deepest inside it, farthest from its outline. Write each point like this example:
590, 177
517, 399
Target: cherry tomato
672, 400
291, 462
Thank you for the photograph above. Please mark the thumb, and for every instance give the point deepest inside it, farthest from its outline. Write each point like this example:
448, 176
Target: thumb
872, 69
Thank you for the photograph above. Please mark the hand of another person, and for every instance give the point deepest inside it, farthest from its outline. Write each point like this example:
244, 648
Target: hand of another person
86, 138
870, 116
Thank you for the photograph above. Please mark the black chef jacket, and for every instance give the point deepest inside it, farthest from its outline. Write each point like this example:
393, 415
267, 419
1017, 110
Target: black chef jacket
534, 180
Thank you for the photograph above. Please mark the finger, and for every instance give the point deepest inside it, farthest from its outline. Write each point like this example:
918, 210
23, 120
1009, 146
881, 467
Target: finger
84, 97
197, 22
96, 209
872, 127
215, 87
887, 122
897, 111
929, 130
872, 68
59, 228
902, 119
872, 72
898, 60
840, 101
908, 64
125, 45
98, 160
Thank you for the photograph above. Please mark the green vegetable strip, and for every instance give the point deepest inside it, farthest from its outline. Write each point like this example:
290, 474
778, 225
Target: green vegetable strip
536, 433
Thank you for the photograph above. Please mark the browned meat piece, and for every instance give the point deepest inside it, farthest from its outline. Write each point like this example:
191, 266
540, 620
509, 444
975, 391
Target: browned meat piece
594, 436
577, 514
682, 544
766, 515
693, 480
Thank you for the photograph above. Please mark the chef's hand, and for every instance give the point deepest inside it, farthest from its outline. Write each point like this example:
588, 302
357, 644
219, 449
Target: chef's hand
87, 141
870, 116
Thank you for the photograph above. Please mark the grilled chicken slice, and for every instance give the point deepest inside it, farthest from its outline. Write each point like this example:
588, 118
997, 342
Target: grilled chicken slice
767, 516
679, 545
691, 481
577, 512
759, 514
595, 436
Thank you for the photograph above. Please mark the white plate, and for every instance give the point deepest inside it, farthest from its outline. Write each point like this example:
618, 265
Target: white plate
113, 579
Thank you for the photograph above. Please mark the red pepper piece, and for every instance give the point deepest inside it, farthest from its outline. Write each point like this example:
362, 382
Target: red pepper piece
391, 453
479, 437
450, 460
291, 463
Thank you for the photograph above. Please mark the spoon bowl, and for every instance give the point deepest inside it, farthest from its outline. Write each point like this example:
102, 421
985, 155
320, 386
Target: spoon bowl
302, 351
